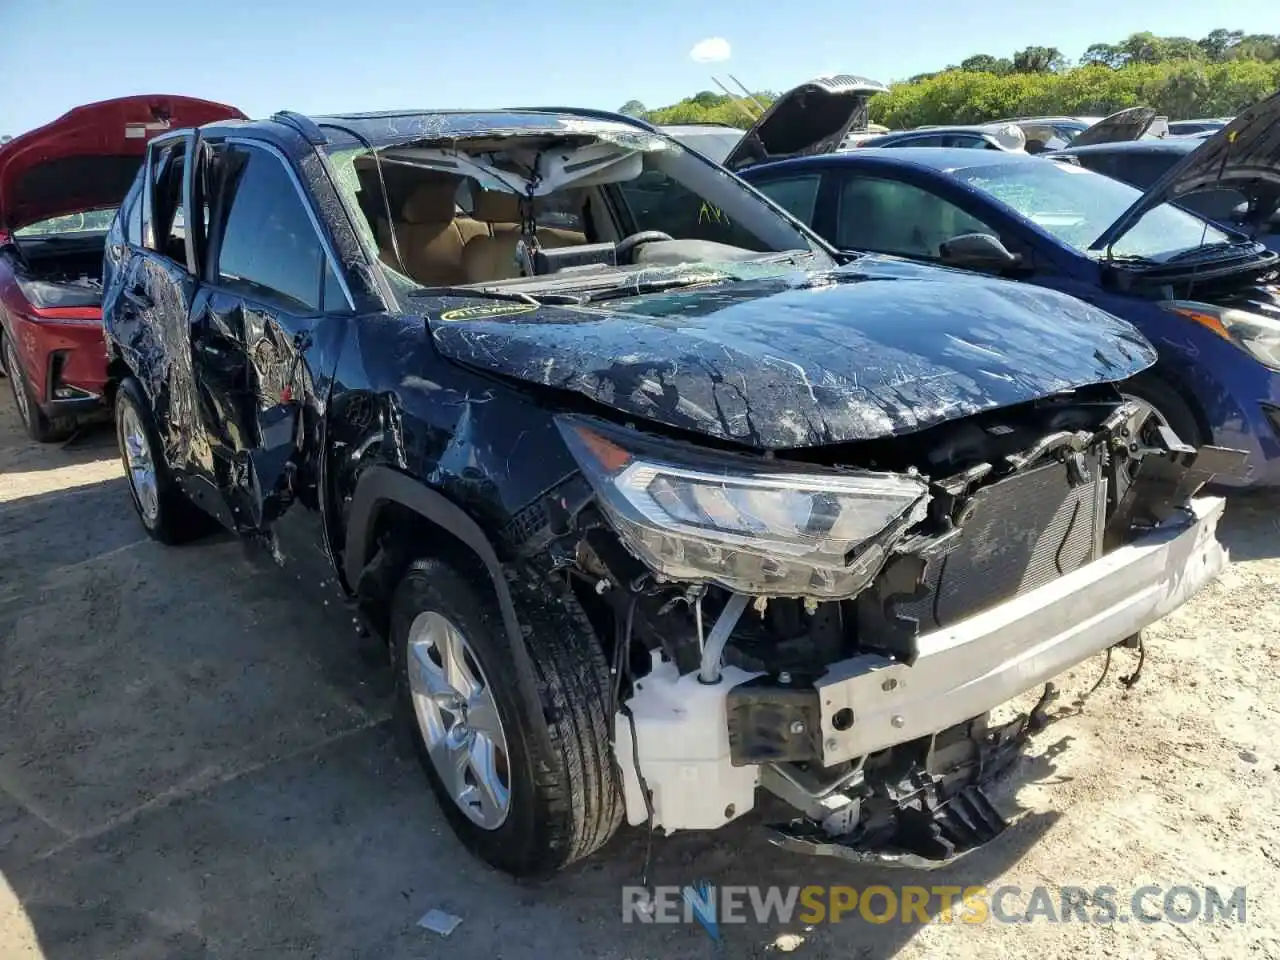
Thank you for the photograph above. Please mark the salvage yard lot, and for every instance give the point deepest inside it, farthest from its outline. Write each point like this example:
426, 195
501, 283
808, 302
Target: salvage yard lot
193, 764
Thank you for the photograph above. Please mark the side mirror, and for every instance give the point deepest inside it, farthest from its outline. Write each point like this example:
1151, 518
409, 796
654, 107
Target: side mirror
977, 251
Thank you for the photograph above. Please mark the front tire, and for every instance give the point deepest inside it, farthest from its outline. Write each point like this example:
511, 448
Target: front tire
39, 427
458, 699
166, 513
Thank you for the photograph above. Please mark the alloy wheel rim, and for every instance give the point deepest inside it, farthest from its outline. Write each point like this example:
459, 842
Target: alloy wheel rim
141, 466
19, 385
458, 719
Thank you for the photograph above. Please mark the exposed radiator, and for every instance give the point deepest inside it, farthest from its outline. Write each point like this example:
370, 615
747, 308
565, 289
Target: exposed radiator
1023, 532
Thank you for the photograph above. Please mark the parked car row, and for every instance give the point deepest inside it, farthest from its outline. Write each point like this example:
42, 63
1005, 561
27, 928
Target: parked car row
663, 485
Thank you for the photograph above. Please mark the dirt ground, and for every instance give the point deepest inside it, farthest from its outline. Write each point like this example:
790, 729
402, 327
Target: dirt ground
193, 763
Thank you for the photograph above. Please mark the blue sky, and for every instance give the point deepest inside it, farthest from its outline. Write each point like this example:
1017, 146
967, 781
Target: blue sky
320, 55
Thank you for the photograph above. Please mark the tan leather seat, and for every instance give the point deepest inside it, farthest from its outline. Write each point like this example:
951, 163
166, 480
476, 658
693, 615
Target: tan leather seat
492, 256
431, 235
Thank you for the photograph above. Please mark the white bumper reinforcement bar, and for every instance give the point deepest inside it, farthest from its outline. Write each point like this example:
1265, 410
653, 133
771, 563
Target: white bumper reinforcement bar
870, 702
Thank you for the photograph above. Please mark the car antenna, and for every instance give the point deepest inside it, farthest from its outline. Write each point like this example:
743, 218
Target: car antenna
382, 185
747, 93
736, 101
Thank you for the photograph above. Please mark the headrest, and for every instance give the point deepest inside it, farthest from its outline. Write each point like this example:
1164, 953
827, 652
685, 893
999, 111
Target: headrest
432, 201
496, 206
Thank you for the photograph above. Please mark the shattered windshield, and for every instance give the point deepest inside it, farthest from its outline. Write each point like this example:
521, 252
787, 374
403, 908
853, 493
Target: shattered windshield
1077, 206
604, 197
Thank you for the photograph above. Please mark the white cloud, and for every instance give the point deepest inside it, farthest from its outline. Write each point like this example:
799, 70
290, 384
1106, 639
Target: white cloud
710, 50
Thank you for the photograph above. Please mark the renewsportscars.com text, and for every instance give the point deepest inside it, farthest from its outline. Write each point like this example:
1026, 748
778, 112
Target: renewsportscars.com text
712, 906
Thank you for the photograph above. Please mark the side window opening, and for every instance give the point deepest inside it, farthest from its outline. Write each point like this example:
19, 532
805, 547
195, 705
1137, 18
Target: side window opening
168, 225
659, 202
888, 216
965, 141
267, 245
797, 195
934, 140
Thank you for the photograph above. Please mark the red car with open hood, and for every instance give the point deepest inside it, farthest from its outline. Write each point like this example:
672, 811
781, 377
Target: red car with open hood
60, 186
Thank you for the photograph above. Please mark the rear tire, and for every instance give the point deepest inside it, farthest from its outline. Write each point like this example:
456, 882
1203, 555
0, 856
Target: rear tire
39, 427
166, 513
562, 804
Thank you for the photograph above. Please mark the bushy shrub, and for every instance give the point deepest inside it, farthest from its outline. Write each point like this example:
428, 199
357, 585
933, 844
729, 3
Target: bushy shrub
1178, 89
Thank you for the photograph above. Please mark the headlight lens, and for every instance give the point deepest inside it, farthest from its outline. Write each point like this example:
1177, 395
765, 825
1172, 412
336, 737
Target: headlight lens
1257, 333
742, 523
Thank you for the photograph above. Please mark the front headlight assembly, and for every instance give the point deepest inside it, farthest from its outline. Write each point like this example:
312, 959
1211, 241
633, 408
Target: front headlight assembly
1256, 333
749, 525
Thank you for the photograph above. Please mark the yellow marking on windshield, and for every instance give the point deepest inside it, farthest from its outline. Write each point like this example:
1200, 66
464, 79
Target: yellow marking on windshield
708, 213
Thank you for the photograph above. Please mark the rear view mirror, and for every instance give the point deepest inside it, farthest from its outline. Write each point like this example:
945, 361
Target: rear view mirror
977, 251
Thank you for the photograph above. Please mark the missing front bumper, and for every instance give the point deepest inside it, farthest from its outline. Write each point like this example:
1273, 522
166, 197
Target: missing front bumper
924, 804
870, 702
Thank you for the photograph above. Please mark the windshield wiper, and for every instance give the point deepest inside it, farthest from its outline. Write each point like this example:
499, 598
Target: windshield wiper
787, 256
484, 293
1194, 253
1130, 258
641, 287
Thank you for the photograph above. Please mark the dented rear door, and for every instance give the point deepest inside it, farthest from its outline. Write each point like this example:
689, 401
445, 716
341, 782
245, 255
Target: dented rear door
265, 328
149, 317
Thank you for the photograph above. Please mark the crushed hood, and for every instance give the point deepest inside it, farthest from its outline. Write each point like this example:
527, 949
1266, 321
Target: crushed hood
88, 157
812, 118
878, 348
1244, 155
1125, 125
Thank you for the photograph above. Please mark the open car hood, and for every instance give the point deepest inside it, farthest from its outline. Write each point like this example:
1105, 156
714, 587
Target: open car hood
1244, 155
1128, 124
812, 118
88, 157
790, 359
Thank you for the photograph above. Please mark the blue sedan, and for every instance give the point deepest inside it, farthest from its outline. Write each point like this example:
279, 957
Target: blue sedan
1206, 296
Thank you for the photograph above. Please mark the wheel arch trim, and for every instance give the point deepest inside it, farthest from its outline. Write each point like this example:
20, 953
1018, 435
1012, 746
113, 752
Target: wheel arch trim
380, 485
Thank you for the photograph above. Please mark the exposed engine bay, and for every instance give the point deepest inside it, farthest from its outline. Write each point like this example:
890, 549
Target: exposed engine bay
735, 670
65, 276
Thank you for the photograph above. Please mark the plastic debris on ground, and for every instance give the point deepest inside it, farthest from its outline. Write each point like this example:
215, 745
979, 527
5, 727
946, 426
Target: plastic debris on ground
437, 921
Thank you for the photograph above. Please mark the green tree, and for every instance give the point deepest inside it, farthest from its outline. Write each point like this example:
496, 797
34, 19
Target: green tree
1181, 48
1219, 43
633, 108
1038, 60
1104, 55
707, 108
1144, 47
1257, 46
985, 63
707, 98
1218, 75
1176, 89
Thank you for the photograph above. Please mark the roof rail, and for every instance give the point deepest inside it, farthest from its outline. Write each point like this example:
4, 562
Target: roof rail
590, 114
303, 124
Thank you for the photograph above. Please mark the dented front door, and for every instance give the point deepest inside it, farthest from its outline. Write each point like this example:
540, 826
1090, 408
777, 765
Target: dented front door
264, 332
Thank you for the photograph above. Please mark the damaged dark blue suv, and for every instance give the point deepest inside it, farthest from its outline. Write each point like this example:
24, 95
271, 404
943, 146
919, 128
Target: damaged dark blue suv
655, 501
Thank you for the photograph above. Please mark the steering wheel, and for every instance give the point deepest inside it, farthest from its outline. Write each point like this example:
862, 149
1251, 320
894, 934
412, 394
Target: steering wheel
627, 244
